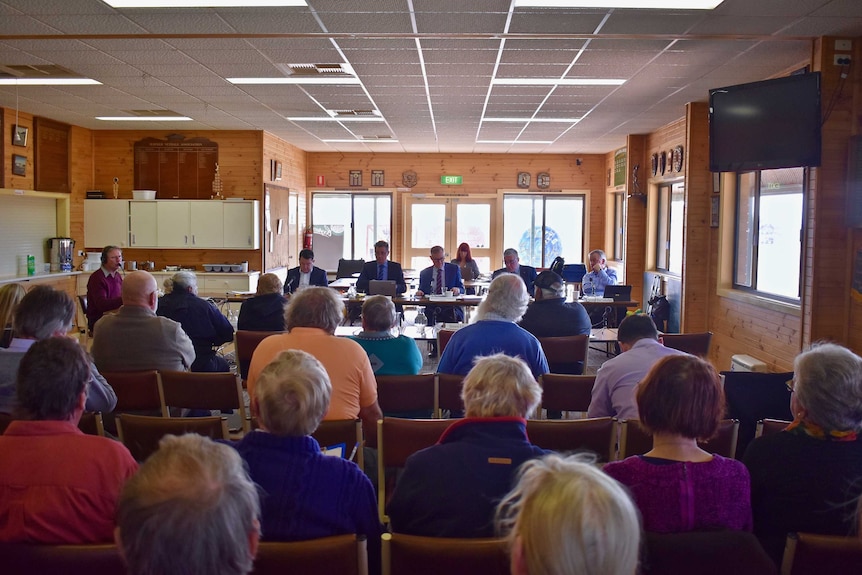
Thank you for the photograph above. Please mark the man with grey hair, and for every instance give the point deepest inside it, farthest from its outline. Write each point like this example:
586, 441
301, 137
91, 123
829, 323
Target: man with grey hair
311, 316
45, 312
512, 264
599, 276
496, 331
191, 508
203, 323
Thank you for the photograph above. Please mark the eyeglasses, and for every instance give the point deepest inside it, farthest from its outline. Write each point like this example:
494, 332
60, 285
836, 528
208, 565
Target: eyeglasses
790, 384
433, 259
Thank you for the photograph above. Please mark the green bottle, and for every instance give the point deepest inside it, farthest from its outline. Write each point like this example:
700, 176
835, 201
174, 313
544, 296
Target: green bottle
31, 265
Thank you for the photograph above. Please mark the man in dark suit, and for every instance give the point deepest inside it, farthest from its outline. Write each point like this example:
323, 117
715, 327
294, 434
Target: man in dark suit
305, 274
440, 278
381, 269
513, 266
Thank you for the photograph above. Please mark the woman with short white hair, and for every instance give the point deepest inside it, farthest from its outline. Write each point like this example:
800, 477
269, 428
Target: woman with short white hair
390, 354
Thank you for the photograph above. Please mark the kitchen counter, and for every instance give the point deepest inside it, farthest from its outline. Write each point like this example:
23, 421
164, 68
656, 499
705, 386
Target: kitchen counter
210, 284
38, 277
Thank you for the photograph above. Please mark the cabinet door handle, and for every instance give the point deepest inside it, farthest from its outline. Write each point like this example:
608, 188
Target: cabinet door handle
193, 239
186, 240
133, 239
249, 240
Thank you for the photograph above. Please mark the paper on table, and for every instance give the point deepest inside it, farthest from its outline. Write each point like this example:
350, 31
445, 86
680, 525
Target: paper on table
336, 450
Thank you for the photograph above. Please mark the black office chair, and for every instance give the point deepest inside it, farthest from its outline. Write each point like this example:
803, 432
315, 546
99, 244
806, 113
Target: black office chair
346, 268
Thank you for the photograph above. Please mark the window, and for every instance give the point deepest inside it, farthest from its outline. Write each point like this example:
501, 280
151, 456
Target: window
347, 225
671, 208
619, 238
542, 227
769, 206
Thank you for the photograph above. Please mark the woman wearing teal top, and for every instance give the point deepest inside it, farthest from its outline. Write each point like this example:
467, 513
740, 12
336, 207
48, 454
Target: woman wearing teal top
389, 354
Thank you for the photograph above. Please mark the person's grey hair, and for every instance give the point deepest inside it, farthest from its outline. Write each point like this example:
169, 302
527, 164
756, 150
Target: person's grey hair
600, 253
183, 281
569, 517
510, 252
190, 508
378, 312
292, 394
828, 383
314, 307
507, 298
42, 312
552, 293
500, 386
269, 283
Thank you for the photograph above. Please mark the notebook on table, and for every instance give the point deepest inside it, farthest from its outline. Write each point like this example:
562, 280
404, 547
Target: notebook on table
382, 287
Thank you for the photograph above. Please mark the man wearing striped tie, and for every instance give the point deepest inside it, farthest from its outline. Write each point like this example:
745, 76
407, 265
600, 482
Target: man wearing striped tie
440, 278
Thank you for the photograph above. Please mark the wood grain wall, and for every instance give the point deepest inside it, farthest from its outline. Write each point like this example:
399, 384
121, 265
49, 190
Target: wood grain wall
293, 179
10, 180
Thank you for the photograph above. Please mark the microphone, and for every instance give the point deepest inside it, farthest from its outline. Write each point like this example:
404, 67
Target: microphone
288, 288
606, 316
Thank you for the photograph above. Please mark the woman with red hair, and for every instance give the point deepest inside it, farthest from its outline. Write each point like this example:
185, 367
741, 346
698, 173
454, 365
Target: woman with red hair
469, 267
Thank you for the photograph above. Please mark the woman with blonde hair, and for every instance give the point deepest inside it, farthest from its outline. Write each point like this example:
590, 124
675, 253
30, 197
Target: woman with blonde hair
565, 517
10, 296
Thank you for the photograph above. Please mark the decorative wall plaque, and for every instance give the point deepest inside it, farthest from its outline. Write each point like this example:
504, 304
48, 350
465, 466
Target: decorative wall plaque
523, 180
543, 180
377, 178
409, 179
677, 159
355, 177
177, 167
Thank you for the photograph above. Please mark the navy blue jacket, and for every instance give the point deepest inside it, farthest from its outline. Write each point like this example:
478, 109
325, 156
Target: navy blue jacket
527, 273
291, 282
452, 275
203, 323
369, 272
262, 313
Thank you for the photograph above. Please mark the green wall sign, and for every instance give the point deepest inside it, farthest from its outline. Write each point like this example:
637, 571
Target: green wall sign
451, 180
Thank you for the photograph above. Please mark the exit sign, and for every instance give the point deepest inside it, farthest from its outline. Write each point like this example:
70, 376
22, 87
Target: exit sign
451, 180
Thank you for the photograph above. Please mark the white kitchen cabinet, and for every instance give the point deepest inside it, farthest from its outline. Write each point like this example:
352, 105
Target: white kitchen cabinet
143, 224
106, 223
242, 224
174, 227
206, 224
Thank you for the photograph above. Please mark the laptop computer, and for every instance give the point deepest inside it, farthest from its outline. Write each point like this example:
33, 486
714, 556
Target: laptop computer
574, 273
382, 287
618, 293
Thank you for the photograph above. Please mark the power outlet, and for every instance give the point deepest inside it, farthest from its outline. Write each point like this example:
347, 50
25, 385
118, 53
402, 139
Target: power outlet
80, 253
842, 59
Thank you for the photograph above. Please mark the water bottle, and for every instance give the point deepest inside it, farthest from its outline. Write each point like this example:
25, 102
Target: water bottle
420, 322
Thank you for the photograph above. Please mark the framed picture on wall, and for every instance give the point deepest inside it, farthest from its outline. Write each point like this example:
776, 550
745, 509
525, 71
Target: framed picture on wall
19, 135
715, 208
19, 165
278, 171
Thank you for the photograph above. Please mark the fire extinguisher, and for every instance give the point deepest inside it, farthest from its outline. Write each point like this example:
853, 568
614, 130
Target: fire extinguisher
306, 240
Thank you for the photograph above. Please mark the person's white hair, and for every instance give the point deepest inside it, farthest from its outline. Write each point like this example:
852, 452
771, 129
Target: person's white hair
500, 386
292, 394
507, 299
828, 384
314, 307
378, 313
184, 281
566, 516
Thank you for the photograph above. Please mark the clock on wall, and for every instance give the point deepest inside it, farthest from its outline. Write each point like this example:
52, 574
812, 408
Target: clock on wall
523, 180
543, 180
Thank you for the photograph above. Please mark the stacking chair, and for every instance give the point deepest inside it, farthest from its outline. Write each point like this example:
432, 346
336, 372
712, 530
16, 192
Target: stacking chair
91, 423
724, 442
752, 396
82, 301
562, 392
346, 431
407, 393
184, 389
27, 559
346, 268
434, 555
443, 337
136, 390
342, 554
597, 435
5, 420
566, 354
770, 426
810, 554
398, 439
634, 440
705, 553
449, 393
693, 343
141, 433
244, 344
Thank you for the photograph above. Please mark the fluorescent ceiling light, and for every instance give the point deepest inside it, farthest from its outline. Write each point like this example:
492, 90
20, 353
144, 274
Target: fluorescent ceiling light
319, 80
360, 141
201, 3
557, 82
512, 142
144, 118
534, 120
49, 82
335, 119
643, 4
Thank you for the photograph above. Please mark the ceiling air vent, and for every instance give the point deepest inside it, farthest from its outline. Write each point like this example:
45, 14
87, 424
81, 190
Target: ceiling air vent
152, 113
372, 138
354, 113
36, 71
313, 70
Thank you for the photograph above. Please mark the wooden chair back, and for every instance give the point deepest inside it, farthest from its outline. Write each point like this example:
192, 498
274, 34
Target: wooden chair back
634, 440
5, 420
449, 393
136, 390
346, 431
92, 423
752, 396
398, 439
597, 435
342, 554
705, 552
810, 554
770, 426
402, 393
245, 342
566, 354
443, 337
433, 555
724, 442
693, 343
141, 433
27, 559
185, 389
562, 392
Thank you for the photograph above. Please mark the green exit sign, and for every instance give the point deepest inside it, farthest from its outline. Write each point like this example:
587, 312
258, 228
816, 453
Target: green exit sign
451, 180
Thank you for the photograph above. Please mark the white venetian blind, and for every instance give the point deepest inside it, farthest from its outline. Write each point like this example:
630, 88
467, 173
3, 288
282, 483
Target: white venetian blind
26, 223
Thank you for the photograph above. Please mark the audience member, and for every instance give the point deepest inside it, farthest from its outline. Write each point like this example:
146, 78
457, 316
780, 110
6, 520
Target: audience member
45, 312
306, 494
549, 315
265, 311
10, 296
311, 317
808, 477
104, 288
677, 485
565, 517
441, 278
617, 379
512, 264
495, 331
468, 266
57, 485
305, 274
381, 269
135, 338
452, 488
599, 276
191, 509
389, 354
205, 325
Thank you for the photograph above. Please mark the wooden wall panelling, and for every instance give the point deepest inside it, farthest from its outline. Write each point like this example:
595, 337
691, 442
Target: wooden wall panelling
192, 258
52, 149
636, 211
81, 179
854, 339
10, 180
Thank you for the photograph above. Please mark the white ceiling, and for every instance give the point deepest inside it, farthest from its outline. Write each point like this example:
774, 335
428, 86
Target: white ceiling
426, 65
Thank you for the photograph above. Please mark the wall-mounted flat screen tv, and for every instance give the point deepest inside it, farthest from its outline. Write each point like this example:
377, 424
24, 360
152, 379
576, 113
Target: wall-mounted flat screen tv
765, 125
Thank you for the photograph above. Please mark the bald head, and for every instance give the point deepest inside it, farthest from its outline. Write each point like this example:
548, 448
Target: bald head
140, 289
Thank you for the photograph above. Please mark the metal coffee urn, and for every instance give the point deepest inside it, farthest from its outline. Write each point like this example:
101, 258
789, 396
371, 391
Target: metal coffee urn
60, 252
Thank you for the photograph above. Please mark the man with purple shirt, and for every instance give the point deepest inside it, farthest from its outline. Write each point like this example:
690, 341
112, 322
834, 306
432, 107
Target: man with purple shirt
105, 287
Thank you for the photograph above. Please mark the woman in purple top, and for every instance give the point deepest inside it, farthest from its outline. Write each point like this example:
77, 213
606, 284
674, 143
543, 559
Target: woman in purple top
677, 485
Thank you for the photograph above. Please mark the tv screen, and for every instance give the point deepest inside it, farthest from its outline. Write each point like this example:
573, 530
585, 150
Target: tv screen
765, 125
